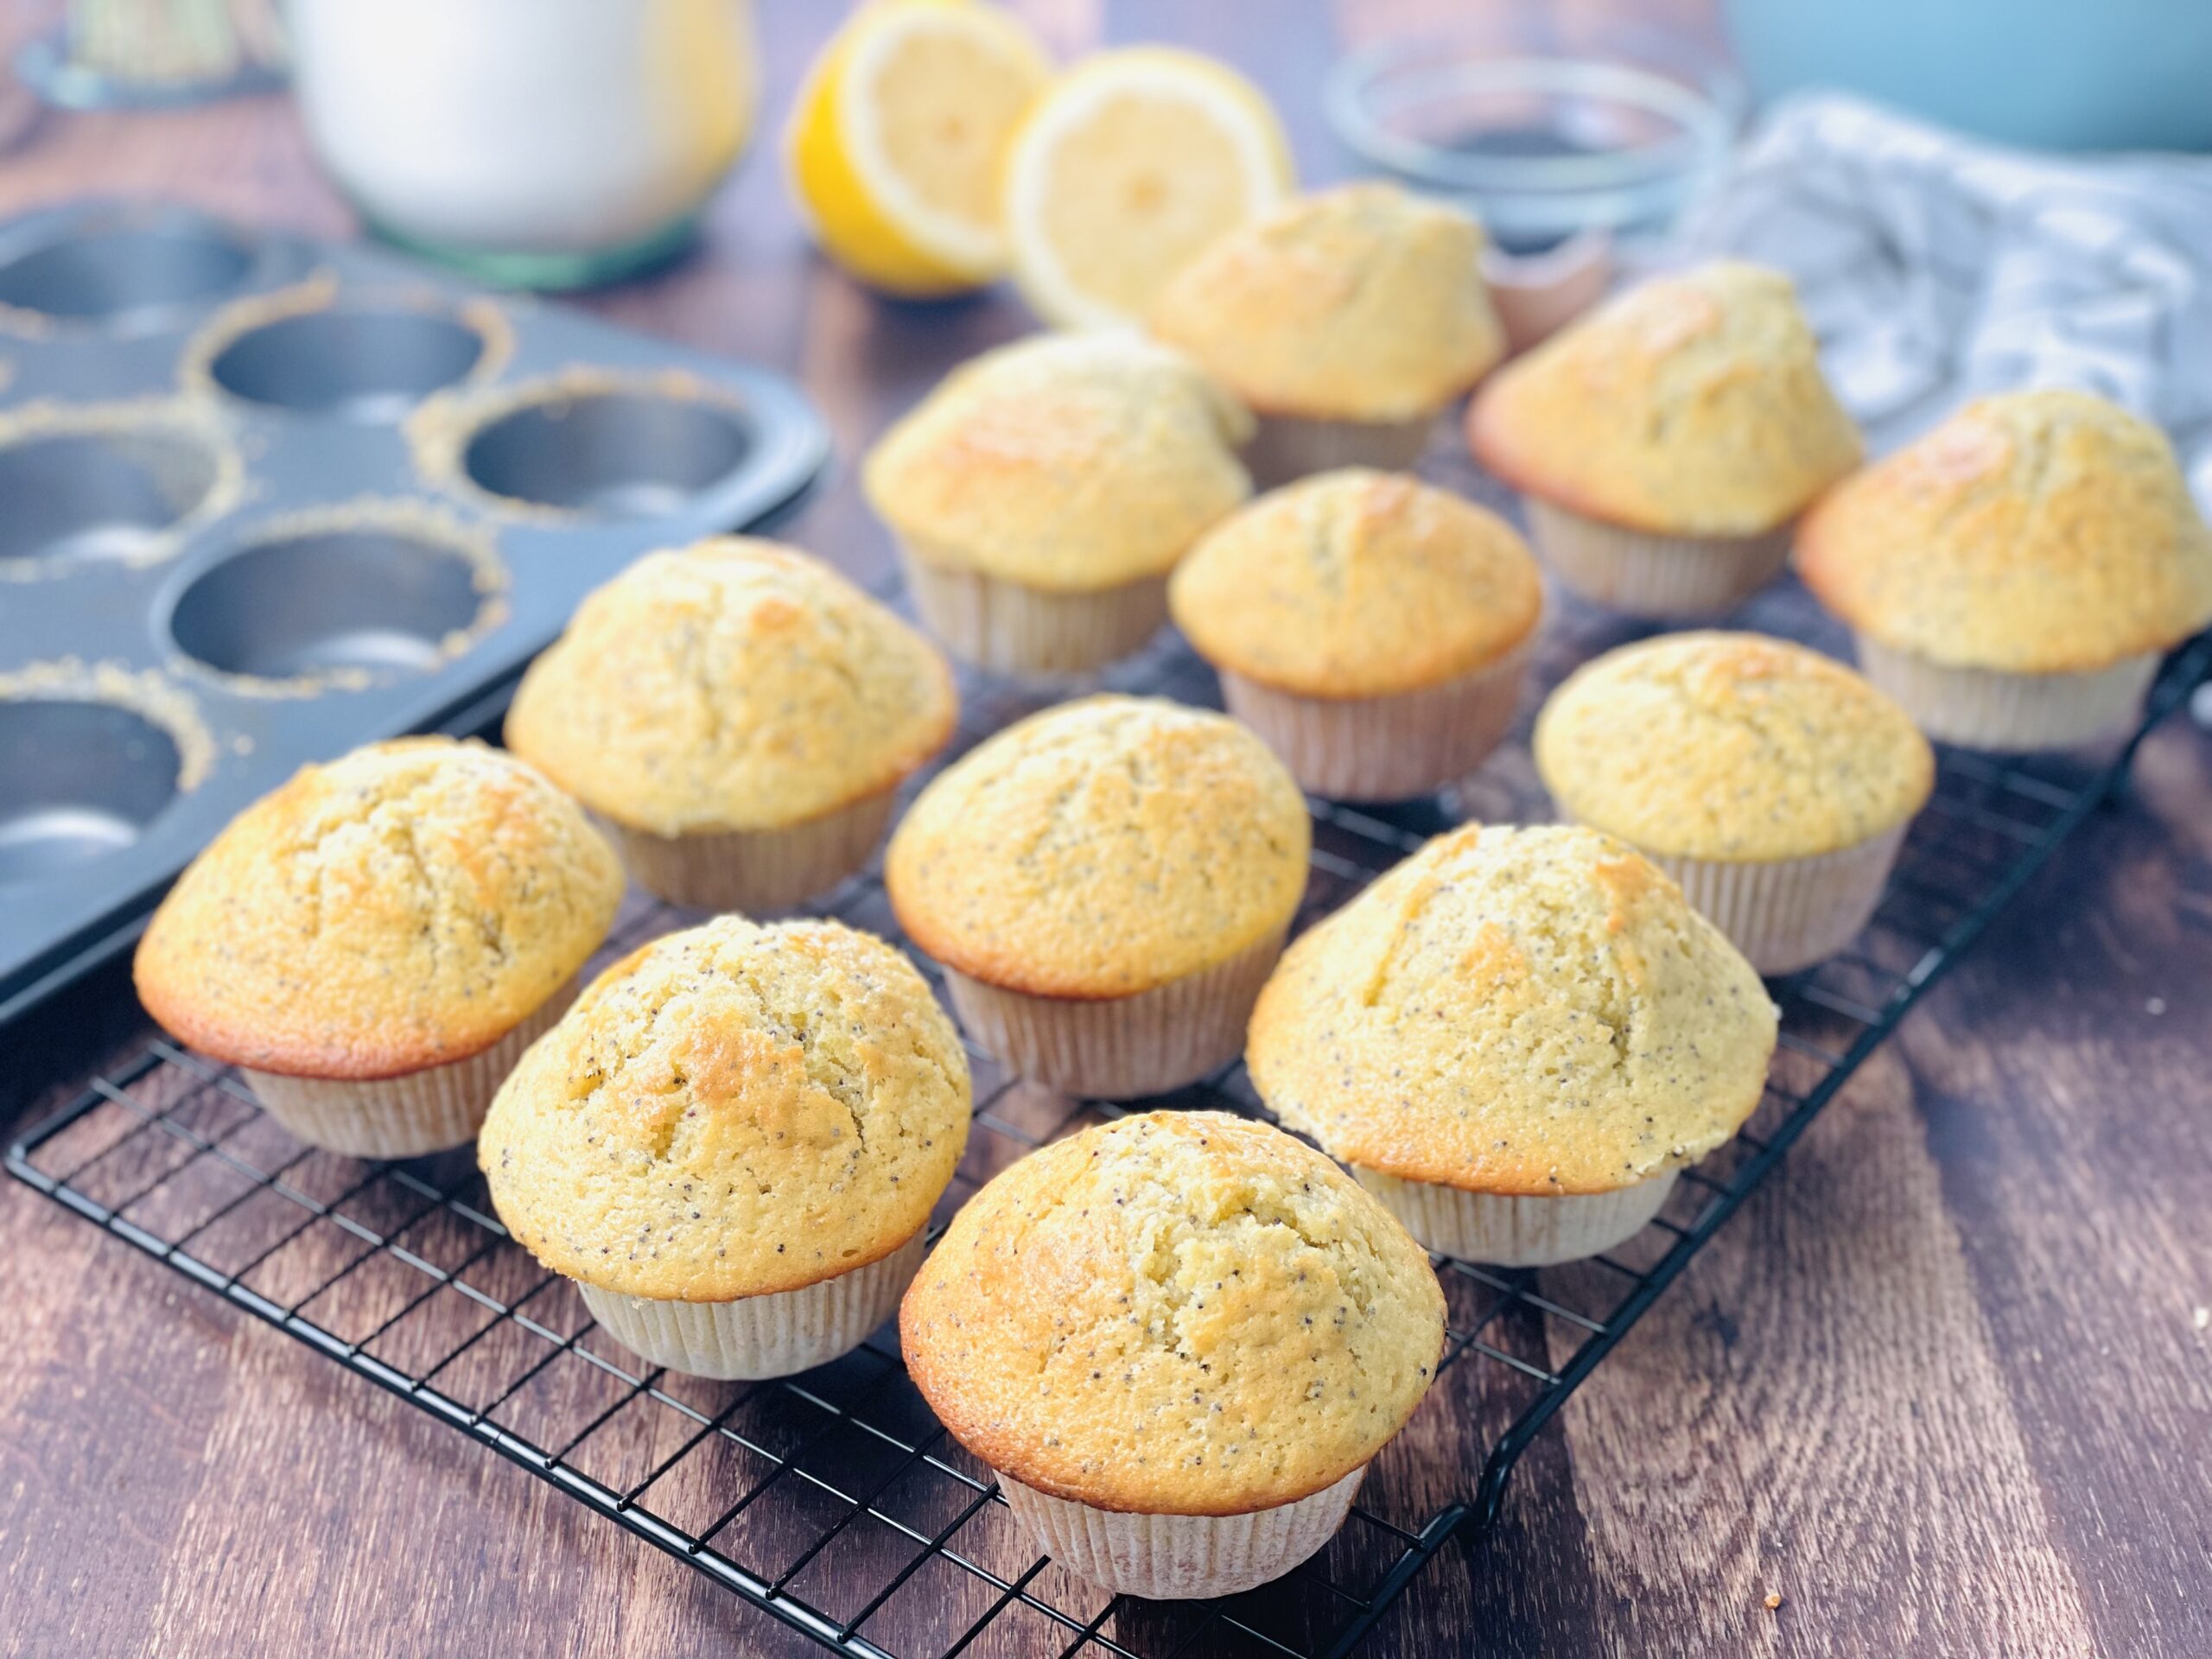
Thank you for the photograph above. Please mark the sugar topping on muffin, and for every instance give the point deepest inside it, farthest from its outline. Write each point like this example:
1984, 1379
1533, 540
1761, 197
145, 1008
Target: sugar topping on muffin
1066, 462
1691, 405
1363, 302
2045, 532
1102, 848
1357, 584
1178, 1313
1534, 1011
402, 906
1731, 746
735, 684
732, 1111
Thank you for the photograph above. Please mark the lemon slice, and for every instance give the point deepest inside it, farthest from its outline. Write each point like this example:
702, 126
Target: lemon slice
1126, 168
896, 144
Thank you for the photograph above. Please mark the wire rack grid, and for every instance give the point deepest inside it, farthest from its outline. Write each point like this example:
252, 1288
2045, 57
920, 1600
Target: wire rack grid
834, 1501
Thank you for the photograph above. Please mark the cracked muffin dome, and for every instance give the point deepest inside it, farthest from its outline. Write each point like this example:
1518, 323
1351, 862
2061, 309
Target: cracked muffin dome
732, 1111
1102, 848
1691, 405
1357, 584
1515, 1011
1180, 1313
1731, 746
733, 686
1066, 462
2033, 532
1364, 302
403, 906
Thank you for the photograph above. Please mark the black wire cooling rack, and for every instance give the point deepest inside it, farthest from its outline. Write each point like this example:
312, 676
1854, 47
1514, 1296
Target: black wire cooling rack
833, 1500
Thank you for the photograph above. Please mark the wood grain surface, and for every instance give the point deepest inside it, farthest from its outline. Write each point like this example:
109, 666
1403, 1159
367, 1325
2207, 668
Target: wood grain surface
1942, 1387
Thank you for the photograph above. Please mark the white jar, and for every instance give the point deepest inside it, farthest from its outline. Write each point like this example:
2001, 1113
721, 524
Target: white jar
536, 143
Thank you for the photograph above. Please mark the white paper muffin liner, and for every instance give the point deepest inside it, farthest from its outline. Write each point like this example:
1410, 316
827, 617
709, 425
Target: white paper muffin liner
1510, 1232
775, 1335
1639, 574
1009, 628
407, 1116
1285, 447
1180, 1557
1120, 1047
1988, 709
1788, 913
755, 872
1387, 748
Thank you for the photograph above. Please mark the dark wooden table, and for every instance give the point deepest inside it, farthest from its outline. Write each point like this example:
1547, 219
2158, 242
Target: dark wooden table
1945, 1385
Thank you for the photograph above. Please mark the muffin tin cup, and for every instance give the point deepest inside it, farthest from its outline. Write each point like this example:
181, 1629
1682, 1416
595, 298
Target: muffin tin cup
1664, 578
371, 358
1180, 1557
777, 1335
121, 268
1508, 1230
1120, 1047
588, 443
117, 485
1788, 913
431, 1110
1388, 748
756, 871
2006, 713
339, 597
83, 772
1009, 628
1288, 447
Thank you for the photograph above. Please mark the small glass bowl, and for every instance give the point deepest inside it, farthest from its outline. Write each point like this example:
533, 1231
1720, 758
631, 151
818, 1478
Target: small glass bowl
1543, 146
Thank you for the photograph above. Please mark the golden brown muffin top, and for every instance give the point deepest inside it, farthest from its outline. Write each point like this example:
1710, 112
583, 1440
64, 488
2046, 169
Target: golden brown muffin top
736, 685
1361, 303
405, 906
730, 1111
1102, 848
1178, 1313
2034, 532
1692, 405
1731, 746
1516, 1011
1069, 462
1356, 584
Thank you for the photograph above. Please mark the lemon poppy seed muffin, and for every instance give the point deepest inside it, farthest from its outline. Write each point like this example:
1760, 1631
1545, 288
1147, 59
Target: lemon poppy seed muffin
2014, 575
740, 715
1106, 885
1179, 1338
1345, 321
1665, 442
733, 1142
1516, 1038
1042, 492
1370, 628
1774, 784
374, 942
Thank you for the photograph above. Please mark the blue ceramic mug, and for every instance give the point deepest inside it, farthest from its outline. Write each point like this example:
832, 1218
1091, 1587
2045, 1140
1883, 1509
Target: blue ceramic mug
2057, 75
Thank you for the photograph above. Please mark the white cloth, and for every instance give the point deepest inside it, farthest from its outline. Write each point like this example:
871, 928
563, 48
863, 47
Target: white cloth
1936, 268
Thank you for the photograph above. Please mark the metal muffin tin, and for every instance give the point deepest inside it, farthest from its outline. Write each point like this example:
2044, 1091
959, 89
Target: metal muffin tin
264, 498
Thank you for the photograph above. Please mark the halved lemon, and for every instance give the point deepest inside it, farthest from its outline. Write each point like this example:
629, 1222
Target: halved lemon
897, 142
1126, 168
